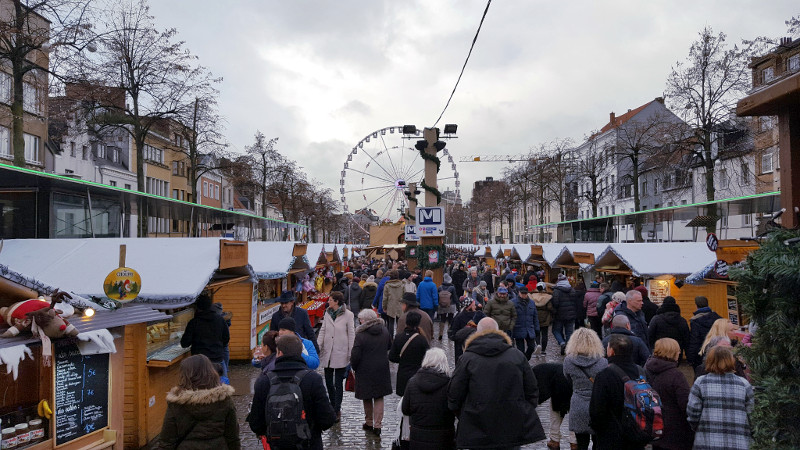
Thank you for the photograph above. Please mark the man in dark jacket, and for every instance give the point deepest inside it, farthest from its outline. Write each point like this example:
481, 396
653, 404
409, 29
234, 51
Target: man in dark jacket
300, 316
458, 277
565, 301
606, 407
469, 314
555, 386
316, 405
669, 323
207, 333
700, 323
494, 393
527, 325
648, 307
632, 307
622, 326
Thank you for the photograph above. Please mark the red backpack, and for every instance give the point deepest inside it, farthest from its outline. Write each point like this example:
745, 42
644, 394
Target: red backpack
643, 422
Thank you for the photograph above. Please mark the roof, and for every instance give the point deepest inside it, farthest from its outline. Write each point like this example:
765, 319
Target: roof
174, 271
273, 260
549, 252
565, 256
655, 259
619, 120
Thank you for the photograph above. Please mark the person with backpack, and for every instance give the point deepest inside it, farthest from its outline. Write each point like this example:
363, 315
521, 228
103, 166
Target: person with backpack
613, 424
200, 410
290, 404
546, 312
583, 362
447, 304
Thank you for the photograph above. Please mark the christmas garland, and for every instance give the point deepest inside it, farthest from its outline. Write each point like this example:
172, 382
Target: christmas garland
421, 146
422, 256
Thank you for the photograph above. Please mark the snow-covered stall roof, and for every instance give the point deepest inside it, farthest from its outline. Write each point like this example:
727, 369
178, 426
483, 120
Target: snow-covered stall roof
274, 260
565, 257
313, 253
482, 250
174, 271
655, 259
549, 253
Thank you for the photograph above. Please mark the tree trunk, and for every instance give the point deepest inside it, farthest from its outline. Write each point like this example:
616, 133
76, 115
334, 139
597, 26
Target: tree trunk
17, 123
710, 191
138, 141
637, 206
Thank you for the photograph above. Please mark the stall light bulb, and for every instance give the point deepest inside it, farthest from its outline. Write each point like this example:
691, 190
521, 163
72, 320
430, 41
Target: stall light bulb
89, 312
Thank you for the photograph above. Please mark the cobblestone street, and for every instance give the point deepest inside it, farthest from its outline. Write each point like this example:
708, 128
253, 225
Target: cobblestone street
348, 433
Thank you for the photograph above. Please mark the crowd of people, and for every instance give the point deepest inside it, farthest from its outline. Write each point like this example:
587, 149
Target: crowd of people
617, 346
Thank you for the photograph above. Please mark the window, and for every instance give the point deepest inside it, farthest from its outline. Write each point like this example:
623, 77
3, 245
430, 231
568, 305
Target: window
216, 192
766, 162
5, 142
154, 154
724, 221
127, 186
31, 148
793, 63
5, 87
683, 202
112, 183
655, 186
613, 209
176, 194
767, 74
723, 178
72, 149
746, 219
30, 99
644, 188
85, 152
205, 189
766, 123
174, 167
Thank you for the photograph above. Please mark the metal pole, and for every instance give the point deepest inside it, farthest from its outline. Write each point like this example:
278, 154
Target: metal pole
91, 216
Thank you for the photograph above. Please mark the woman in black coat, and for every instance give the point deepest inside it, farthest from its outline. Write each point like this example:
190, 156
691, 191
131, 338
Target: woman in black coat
670, 383
370, 362
555, 386
668, 323
409, 357
425, 403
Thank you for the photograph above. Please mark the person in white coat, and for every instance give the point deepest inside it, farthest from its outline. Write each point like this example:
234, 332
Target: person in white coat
335, 340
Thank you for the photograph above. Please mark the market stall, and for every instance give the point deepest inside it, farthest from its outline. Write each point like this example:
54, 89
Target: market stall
75, 400
173, 273
576, 260
660, 265
540, 257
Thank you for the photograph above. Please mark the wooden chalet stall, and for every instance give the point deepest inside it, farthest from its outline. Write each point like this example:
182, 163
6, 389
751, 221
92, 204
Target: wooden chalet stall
278, 266
729, 253
174, 272
577, 259
86, 385
487, 254
541, 257
660, 265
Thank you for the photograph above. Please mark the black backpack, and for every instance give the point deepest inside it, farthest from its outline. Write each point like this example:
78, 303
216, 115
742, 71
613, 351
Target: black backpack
288, 428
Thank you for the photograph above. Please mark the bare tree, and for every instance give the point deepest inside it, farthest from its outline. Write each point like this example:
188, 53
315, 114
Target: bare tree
557, 170
29, 32
521, 181
704, 90
591, 166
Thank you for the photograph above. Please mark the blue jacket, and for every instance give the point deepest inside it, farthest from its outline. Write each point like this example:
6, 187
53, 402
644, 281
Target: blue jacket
428, 294
378, 302
309, 353
301, 320
527, 323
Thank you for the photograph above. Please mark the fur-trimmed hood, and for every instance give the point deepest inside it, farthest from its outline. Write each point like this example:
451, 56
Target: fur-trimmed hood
372, 326
489, 342
199, 396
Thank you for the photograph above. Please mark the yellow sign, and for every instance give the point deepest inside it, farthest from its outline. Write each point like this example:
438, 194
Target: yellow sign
122, 284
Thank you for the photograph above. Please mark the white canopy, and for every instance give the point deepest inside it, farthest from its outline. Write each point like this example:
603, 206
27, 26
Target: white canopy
656, 259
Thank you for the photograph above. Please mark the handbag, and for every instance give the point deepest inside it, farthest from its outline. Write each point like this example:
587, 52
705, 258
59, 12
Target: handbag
402, 350
350, 383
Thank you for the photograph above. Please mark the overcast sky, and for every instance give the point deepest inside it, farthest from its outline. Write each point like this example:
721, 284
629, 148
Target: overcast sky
322, 75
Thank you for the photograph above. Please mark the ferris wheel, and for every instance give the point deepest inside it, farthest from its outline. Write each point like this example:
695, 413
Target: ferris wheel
381, 166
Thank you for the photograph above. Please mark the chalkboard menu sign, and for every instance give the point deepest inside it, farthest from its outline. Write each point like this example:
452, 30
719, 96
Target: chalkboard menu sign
81, 389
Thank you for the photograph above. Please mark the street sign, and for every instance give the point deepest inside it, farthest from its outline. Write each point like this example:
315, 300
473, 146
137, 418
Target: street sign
430, 221
712, 242
411, 233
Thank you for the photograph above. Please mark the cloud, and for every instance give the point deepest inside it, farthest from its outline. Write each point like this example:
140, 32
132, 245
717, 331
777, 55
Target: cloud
323, 75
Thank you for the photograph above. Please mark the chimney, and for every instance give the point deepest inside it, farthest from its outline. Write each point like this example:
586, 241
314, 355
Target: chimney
786, 41
612, 118
660, 100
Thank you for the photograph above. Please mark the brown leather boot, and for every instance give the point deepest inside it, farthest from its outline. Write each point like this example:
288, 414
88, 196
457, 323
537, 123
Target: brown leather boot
573, 446
553, 445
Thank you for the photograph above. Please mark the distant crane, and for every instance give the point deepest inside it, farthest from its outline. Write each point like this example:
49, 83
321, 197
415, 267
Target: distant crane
494, 158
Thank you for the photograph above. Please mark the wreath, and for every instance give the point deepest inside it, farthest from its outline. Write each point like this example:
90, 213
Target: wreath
423, 256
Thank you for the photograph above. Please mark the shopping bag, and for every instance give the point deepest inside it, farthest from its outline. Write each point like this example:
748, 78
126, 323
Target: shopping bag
350, 383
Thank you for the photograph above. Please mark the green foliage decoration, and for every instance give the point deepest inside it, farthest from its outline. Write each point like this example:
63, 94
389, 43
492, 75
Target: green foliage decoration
422, 256
438, 163
769, 293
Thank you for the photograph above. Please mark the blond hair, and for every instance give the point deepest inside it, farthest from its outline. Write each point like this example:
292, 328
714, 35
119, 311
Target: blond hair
584, 341
429, 273
667, 348
719, 328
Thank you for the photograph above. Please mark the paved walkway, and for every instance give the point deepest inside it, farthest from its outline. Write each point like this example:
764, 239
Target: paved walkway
348, 434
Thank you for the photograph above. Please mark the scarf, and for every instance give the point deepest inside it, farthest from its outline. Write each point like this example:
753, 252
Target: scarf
336, 312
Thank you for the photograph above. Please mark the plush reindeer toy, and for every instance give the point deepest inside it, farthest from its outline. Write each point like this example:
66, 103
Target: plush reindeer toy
41, 318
